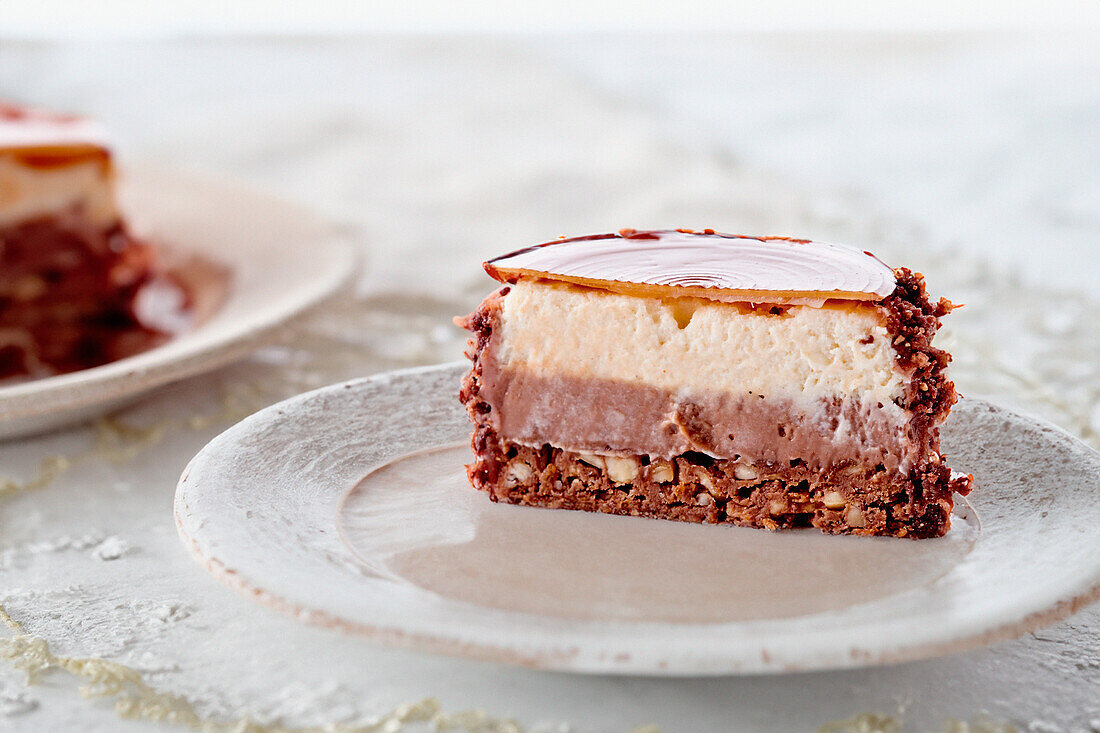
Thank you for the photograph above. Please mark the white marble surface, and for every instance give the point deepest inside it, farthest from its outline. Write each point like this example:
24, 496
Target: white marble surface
938, 152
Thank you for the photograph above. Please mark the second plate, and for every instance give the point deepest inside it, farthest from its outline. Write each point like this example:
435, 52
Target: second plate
281, 260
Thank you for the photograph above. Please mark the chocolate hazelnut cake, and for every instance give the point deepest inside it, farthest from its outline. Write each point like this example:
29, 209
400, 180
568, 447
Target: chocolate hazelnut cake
71, 276
760, 381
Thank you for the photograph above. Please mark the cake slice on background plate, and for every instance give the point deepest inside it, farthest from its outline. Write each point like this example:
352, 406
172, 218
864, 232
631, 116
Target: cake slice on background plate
761, 381
71, 276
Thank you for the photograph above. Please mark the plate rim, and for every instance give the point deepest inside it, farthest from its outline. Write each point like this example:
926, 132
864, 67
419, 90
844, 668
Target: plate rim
1083, 593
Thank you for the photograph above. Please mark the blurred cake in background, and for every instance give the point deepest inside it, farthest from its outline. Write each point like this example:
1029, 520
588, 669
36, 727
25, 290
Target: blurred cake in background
76, 289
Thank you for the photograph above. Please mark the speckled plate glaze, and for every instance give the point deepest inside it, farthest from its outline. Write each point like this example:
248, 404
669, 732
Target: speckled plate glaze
281, 260
348, 507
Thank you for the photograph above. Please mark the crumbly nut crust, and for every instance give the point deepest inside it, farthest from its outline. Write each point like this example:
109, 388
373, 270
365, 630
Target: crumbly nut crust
67, 290
849, 498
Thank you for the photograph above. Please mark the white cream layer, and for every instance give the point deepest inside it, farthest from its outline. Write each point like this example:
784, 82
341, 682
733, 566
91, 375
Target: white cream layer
806, 355
28, 192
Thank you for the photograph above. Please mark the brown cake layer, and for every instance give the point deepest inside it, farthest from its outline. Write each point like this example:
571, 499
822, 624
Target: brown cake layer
67, 292
841, 495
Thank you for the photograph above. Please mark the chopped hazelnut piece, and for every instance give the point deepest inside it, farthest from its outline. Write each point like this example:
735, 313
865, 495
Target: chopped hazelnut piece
621, 470
662, 473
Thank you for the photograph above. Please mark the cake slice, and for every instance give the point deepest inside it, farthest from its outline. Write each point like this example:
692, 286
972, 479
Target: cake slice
760, 381
70, 274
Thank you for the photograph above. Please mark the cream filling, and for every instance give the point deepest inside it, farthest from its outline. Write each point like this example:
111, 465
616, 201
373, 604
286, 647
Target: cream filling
690, 347
28, 193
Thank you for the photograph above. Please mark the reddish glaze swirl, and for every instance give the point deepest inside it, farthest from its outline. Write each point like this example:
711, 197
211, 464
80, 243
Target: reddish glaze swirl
724, 263
29, 127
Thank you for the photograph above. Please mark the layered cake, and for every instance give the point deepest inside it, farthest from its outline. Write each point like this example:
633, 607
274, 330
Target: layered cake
71, 277
760, 381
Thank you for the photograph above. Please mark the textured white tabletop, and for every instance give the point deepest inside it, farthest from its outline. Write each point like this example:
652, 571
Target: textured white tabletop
972, 158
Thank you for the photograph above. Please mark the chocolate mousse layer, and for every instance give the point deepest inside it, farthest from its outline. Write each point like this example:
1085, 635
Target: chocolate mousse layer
601, 416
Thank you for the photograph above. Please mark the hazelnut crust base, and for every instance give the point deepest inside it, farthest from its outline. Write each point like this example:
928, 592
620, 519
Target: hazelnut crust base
849, 497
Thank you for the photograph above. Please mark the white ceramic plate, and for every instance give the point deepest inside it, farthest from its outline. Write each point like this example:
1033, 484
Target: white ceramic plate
282, 260
348, 507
